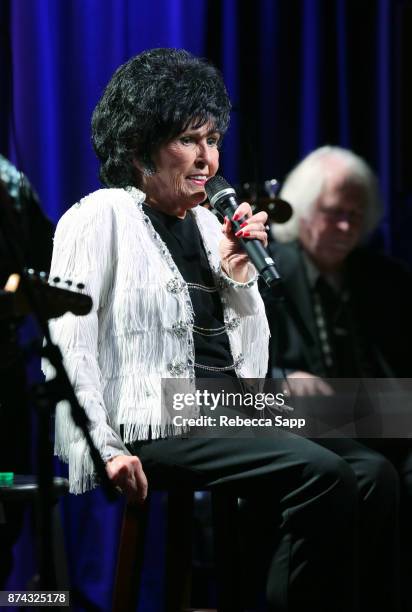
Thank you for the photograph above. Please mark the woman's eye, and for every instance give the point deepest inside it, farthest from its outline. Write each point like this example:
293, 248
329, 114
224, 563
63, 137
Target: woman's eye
213, 141
186, 140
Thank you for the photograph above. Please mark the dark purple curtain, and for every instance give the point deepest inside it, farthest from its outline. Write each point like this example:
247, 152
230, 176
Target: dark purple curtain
301, 73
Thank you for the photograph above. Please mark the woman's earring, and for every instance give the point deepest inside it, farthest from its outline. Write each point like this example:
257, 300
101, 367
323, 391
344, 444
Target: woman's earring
148, 170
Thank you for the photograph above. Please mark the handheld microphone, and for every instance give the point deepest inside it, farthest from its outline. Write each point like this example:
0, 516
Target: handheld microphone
223, 197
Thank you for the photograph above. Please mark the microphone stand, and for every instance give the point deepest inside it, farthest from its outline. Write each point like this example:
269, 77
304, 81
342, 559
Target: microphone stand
46, 396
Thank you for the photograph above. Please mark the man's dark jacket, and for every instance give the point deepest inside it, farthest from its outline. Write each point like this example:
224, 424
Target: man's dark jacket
381, 294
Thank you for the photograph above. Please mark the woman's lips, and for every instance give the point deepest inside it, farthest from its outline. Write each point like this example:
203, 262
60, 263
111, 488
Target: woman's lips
197, 179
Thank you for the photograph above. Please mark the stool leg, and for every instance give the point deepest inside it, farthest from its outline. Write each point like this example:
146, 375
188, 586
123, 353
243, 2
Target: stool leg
130, 558
179, 550
225, 534
59, 551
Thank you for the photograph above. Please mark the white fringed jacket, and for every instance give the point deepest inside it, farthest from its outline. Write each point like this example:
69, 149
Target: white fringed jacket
140, 328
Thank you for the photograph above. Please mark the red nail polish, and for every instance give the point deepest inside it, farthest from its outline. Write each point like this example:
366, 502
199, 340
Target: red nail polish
239, 233
245, 234
235, 217
243, 224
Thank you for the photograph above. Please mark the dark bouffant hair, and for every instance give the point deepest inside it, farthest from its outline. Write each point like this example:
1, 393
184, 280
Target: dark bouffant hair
151, 99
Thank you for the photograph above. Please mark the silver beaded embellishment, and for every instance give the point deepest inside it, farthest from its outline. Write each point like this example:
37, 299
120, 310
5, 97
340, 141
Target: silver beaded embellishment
202, 287
180, 328
208, 332
176, 368
239, 361
215, 368
233, 324
174, 285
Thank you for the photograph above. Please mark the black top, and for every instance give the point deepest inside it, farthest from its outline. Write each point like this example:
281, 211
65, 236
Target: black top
184, 242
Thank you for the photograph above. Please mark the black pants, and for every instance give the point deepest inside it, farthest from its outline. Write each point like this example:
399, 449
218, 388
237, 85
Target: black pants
378, 523
325, 503
399, 453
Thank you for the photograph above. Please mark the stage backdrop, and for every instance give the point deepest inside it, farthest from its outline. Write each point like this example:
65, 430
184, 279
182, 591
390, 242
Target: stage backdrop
301, 73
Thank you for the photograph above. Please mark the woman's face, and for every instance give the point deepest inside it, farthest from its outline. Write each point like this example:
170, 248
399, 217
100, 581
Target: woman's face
183, 166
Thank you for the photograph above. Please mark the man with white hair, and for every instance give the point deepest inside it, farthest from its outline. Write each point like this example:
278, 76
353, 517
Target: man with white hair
352, 305
345, 313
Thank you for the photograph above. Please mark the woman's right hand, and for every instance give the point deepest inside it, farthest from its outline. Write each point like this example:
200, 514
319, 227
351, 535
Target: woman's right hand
126, 472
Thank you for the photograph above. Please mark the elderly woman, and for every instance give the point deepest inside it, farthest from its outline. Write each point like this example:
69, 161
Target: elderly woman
175, 296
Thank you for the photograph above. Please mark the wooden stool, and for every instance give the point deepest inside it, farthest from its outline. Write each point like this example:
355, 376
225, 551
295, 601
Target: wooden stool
178, 553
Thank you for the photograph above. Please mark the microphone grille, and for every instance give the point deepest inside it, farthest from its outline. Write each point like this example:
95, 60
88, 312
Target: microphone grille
214, 185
